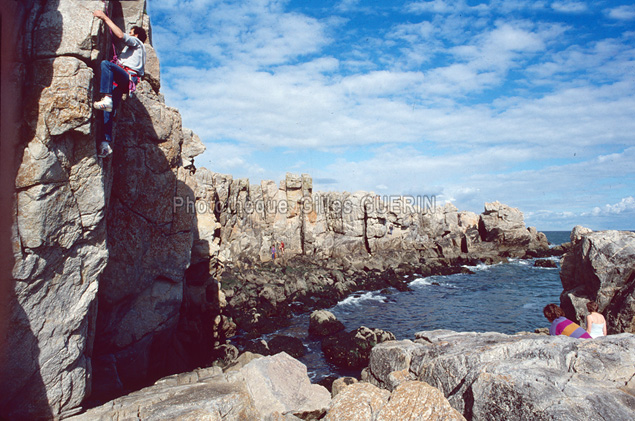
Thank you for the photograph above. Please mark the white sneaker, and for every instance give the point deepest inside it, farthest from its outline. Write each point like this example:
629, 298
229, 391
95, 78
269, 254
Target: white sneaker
104, 150
105, 104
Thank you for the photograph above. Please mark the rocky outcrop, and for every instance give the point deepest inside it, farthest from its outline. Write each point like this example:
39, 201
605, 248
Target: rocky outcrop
352, 349
324, 323
490, 376
272, 388
264, 388
411, 400
505, 227
87, 230
600, 267
349, 226
544, 263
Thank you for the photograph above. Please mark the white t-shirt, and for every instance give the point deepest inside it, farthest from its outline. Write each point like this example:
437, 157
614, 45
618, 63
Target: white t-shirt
133, 54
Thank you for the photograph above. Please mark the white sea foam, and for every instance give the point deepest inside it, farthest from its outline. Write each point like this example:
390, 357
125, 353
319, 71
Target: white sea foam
430, 281
356, 299
480, 266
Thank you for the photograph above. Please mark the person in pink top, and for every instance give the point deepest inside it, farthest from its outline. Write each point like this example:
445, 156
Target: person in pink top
560, 325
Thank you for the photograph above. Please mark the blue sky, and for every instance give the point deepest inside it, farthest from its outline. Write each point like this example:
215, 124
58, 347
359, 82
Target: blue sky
531, 103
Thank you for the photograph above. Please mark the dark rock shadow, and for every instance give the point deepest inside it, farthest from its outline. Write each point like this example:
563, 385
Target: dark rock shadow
149, 239
22, 391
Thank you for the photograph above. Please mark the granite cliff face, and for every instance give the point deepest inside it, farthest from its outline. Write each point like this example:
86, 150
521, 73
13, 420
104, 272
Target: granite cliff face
84, 230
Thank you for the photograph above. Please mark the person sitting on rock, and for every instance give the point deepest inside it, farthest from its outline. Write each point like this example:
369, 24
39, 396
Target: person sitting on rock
595, 322
560, 325
129, 67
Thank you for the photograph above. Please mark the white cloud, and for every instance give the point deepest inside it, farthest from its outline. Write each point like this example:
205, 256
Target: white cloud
228, 158
569, 6
622, 13
436, 6
509, 38
469, 103
254, 32
347, 5
626, 205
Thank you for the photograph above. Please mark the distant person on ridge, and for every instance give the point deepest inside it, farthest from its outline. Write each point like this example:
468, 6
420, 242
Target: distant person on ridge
560, 325
595, 322
129, 67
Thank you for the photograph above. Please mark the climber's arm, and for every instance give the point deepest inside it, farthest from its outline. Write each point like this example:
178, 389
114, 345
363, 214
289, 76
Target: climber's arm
116, 31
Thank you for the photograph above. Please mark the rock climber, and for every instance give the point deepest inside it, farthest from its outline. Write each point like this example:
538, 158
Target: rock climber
129, 68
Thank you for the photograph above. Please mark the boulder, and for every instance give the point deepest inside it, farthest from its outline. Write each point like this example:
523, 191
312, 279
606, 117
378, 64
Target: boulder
504, 226
545, 263
324, 323
359, 401
279, 383
352, 349
526, 376
412, 400
341, 384
201, 394
415, 400
599, 267
289, 344
263, 388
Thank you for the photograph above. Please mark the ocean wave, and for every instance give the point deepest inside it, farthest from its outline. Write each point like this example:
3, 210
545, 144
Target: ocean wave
430, 281
356, 299
480, 266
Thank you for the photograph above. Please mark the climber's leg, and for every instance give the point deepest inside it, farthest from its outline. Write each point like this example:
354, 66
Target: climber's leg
110, 73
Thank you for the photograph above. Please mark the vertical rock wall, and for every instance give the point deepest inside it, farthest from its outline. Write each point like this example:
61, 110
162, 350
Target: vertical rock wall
87, 230
59, 231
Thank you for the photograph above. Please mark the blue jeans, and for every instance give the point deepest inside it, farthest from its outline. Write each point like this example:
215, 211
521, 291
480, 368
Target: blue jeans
110, 73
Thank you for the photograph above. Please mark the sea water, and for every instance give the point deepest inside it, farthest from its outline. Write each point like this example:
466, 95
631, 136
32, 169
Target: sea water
506, 297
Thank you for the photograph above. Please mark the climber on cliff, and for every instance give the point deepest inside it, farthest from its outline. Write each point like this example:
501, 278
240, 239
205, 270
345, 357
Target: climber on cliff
129, 67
